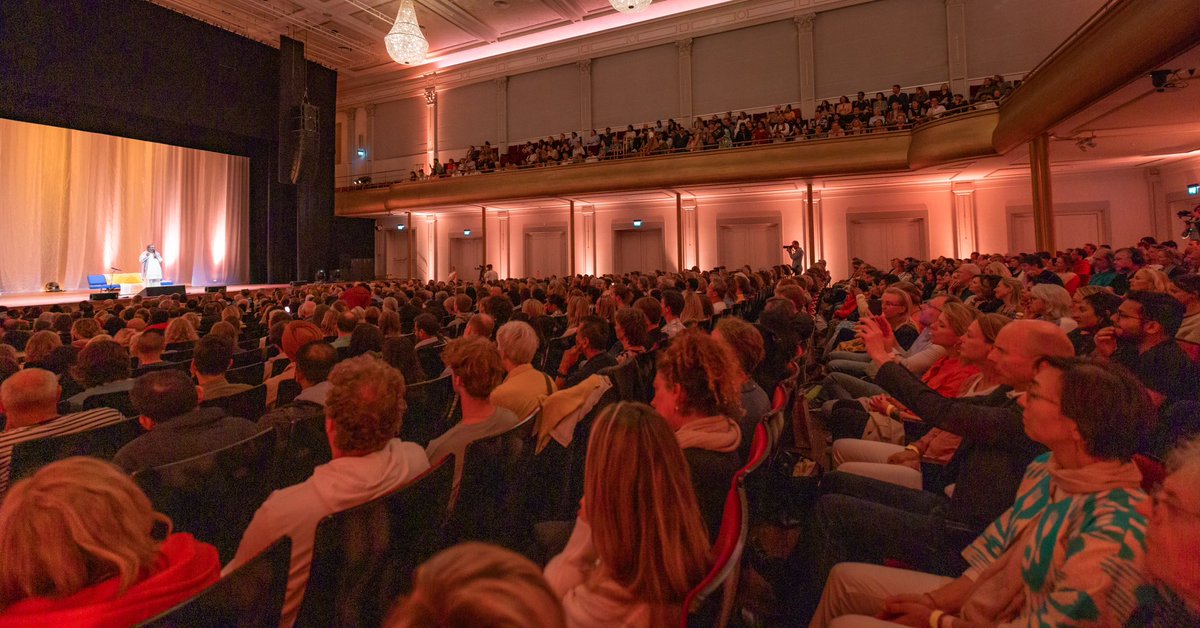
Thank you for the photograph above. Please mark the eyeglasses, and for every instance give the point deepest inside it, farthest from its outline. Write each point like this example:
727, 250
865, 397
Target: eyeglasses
1122, 315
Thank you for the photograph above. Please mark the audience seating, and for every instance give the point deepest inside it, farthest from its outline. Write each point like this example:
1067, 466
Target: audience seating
214, 495
246, 358
430, 357
102, 442
278, 366
301, 449
162, 366
365, 556
118, 401
493, 492
430, 405
182, 355
288, 389
250, 596
248, 404
250, 374
555, 348
1153, 471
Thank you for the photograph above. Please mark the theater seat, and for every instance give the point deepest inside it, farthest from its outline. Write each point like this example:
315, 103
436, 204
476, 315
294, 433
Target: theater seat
102, 442
249, 404
493, 492
430, 405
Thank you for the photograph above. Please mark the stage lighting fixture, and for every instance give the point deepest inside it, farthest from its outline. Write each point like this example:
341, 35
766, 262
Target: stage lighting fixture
637, 224
362, 180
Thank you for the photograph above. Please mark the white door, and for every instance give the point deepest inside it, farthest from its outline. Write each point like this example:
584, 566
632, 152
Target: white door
396, 252
755, 244
545, 253
1071, 230
465, 255
638, 249
876, 240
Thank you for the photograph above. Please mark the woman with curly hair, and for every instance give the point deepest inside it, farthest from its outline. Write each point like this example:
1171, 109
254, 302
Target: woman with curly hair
639, 541
79, 546
180, 334
698, 391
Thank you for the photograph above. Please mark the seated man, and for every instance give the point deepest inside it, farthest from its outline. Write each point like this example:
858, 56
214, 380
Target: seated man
212, 357
524, 387
1142, 339
102, 368
346, 322
476, 370
364, 408
147, 348
313, 364
588, 355
167, 403
480, 325
29, 400
672, 308
295, 335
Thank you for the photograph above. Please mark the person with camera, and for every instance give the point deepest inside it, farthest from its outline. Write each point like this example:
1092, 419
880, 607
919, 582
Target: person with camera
797, 255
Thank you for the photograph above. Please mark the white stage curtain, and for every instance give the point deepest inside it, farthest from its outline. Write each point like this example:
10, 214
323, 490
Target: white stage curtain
74, 203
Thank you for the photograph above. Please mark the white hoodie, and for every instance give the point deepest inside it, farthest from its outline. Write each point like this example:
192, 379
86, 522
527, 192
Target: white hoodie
338, 485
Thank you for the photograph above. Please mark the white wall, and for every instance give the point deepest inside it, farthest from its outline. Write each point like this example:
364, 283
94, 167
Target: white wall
466, 117
638, 86
747, 68
868, 47
544, 102
1015, 35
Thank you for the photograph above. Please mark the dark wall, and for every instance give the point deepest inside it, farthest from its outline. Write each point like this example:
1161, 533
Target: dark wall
134, 69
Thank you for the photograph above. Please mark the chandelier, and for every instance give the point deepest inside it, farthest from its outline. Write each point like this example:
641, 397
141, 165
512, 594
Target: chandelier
404, 42
630, 6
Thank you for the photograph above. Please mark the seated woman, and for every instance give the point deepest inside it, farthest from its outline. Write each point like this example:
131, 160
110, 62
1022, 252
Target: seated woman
905, 465
78, 547
632, 333
850, 419
1093, 312
1068, 552
983, 293
1009, 291
639, 543
1049, 302
697, 389
476, 584
1150, 280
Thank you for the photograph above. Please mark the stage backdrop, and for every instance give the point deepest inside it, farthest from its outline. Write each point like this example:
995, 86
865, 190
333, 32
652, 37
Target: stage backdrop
75, 203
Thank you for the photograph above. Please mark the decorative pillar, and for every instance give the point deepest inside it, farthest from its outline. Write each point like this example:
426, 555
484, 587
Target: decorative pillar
505, 256
685, 80
956, 41
585, 95
501, 114
679, 230
589, 240
966, 231
412, 250
689, 229
369, 166
432, 269
815, 236
570, 238
806, 52
483, 221
431, 128
1043, 201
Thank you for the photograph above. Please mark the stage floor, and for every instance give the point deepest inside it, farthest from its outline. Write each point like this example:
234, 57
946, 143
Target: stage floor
72, 297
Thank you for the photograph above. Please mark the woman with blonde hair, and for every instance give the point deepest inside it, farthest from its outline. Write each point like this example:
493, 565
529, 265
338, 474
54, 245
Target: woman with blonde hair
329, 323
1149, 279
577, 308
698, 390
639, 543
180, 332
389, 323
40, 345
693, 308
1009, 291
78, 547
477, 585
1051, 302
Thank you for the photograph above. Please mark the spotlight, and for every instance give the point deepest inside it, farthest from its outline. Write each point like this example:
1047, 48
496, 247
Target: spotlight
363, 180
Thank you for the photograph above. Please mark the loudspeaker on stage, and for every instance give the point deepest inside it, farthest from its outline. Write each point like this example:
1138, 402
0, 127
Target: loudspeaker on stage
103, 296
158, 291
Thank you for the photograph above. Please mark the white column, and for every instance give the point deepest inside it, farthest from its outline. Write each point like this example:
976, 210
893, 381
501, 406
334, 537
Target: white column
956, 39
431, 129
965, 229
588, 250
369, 166
431, 269
501, 142
817, 226
504, 258
685, 81
585, 95
690, 230
806, 53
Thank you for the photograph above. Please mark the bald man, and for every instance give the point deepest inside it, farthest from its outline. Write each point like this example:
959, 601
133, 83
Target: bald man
295, 335
29, 400
866, 520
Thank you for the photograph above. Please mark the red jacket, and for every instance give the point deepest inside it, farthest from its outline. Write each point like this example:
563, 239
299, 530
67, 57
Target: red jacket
357, 296
184, 568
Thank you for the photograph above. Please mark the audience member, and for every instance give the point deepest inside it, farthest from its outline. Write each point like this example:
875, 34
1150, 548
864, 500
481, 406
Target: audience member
524, 387
746, 343
101, 368
295, 335
211, 358
1142, 339
313, 364
589, 354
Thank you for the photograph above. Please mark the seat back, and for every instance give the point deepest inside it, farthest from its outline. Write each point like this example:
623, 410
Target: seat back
118, 401
288, 389
249, 404
430, 406
365, 556
430, 357
555, 348
251, 374
249, 596
304, 447
492, 492
248, 357
214, 495
102, 442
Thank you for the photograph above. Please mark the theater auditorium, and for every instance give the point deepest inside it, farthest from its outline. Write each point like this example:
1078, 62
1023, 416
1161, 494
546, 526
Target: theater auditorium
583, 313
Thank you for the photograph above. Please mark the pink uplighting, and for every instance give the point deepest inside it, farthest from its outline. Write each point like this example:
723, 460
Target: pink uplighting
660, 9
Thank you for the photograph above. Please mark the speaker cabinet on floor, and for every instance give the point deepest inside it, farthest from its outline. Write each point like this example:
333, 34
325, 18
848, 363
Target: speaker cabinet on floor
158, 291
214, 288
103, 296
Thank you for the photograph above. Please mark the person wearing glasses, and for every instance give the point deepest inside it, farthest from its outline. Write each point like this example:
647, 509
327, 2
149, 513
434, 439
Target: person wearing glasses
1172, 595
1070, 550
1142, 339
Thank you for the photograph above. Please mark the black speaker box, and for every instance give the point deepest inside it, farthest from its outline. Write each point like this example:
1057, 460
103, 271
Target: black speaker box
299, 284
214, 288
103, 296
158, 291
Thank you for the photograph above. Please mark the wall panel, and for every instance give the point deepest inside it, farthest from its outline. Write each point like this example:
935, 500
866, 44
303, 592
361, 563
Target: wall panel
1015, 35
746, 68
466, 117
543, 103
635, 87
400, 128
870, 46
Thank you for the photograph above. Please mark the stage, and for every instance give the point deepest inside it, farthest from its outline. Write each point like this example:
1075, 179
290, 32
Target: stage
73, 297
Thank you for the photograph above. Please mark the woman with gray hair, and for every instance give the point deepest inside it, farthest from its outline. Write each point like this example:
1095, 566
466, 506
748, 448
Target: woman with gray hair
1051, 302
524, 387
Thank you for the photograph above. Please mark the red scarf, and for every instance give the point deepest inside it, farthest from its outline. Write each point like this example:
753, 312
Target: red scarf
184, 567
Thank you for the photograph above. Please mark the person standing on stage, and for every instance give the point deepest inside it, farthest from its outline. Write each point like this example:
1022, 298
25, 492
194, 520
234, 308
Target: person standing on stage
797, 254
151, 260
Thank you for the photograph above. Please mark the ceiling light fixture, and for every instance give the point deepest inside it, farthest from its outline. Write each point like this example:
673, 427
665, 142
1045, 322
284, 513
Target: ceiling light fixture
630, 6
405, 43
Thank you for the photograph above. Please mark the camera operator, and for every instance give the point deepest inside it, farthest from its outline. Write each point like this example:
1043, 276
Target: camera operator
797, 255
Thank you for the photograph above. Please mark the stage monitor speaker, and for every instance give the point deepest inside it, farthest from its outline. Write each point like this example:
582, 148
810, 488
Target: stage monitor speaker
299, 284
214, 288
103, 296
158, 291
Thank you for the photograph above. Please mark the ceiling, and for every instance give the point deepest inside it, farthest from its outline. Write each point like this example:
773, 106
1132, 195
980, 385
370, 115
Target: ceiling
347, 35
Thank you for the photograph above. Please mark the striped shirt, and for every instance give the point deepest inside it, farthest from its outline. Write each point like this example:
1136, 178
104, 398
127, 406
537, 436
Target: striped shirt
65, 424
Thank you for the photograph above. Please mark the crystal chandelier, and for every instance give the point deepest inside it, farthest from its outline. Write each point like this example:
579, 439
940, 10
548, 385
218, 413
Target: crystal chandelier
405, 43
630, 6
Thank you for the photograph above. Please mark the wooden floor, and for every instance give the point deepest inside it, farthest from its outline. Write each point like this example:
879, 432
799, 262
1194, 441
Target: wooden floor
73, 297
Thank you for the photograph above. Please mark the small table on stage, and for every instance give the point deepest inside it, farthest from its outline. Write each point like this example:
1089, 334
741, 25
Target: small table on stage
131, 283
